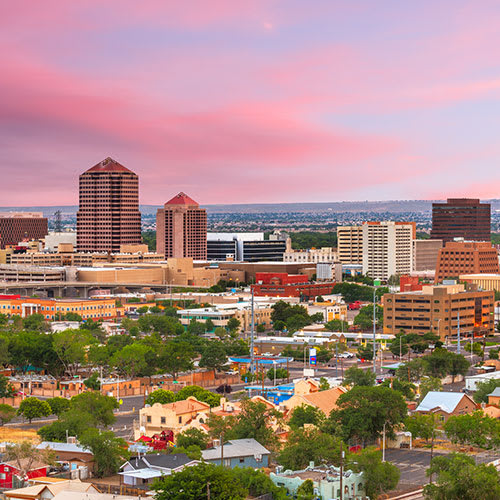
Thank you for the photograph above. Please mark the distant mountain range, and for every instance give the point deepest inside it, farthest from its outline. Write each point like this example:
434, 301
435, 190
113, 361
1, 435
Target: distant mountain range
391, 206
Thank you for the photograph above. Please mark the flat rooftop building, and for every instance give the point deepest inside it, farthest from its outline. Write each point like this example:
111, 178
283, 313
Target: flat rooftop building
19, 226
466, 218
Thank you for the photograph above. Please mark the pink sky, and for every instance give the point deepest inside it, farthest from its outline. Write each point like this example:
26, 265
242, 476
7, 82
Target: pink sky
251, 101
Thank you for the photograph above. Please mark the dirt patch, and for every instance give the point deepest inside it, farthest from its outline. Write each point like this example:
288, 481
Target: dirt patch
13, 435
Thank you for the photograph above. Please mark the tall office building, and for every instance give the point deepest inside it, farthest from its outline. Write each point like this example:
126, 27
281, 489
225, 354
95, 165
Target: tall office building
108, 215
387, 248
18, 226
461, 218
350, 244
181, 229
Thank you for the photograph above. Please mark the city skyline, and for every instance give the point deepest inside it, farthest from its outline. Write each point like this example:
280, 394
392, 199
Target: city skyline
240, 102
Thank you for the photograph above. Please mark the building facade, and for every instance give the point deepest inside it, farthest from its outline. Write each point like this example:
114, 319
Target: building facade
181, 229
440, 309
425, 253
108, 214
313, 255
19, 226
466, 218
285, 285
52, 309
350, 244
387, 248
466, 257
245, 247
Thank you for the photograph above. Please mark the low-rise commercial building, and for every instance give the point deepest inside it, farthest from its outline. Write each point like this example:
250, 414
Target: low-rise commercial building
22, 273
19, 226
313, 255
93, 309
446, 404
482, 281
285, 285
440, 309
466, 257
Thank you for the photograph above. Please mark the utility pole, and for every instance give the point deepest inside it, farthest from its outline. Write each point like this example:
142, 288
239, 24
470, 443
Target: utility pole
336, 359
252, 329
458, 331
383, 444
341, 472
222, 449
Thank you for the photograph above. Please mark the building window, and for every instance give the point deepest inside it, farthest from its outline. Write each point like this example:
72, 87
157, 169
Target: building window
180, 420
163, 420
3, 476
148, 419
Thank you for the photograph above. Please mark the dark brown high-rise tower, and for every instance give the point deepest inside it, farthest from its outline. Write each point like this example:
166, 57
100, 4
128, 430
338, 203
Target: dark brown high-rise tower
461, 218
181, 229
108, 214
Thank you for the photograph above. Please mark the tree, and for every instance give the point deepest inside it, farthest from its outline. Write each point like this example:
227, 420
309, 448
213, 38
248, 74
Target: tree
323, 384
70, 347
71, 423
25, 455
363, 411
428, 384
31, 408
109, 451
98, 406
214, 356
160, 396
261, 328
131, 360
407, 389
35, 322
258, 483
365, 352
306, 490
7, 413
356, 376
199, 393
192, 437
485, 388
276, 373
336, 325
423, 426
476, 429
477, 348
233, 324
459, 478
493, 354
176, 357
58, 405
364, 318
93, 382
309, 445
305, 414
209, 325
379, 476
195, 482
6, 388
253, 422
398, 346
412, 371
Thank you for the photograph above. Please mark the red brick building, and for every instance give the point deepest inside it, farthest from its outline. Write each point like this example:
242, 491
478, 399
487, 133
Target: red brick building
466, 257
181, 229
409, 283
289, 285
108, 214
18, 226
461, 218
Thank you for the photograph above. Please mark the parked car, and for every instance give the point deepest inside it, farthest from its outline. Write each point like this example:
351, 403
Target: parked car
346, 355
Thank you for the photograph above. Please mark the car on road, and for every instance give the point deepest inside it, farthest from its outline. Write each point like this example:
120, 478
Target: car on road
346, 355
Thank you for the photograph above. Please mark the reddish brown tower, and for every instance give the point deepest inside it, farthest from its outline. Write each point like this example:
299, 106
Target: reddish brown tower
108, 215
181, 229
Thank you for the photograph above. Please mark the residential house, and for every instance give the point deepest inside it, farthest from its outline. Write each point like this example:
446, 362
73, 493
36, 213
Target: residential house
172, 416
70, 453
49, 489
140, 472
10, 474
494, 397
325, 401
446, 404
238, 453
326, 481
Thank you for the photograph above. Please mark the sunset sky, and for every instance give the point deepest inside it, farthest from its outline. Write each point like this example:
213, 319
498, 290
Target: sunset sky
251, 101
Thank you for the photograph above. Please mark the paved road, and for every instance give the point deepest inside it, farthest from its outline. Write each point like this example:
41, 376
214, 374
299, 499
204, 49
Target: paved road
414, 463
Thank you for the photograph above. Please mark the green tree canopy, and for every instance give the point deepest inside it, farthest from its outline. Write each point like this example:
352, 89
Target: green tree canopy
476, 429
357, 376
160, 396
214, 356
459, 478
485, 388
109, 451
305, 414
31, 408
176, 357
192, 437
7, 413
58, 405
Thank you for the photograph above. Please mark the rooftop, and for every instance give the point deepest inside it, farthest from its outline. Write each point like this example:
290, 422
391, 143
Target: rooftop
446, 401
495, 393
181, 199
108, 165
236, 448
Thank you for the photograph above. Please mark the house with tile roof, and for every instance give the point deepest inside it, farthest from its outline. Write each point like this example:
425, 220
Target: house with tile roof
325, 401
446, 404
